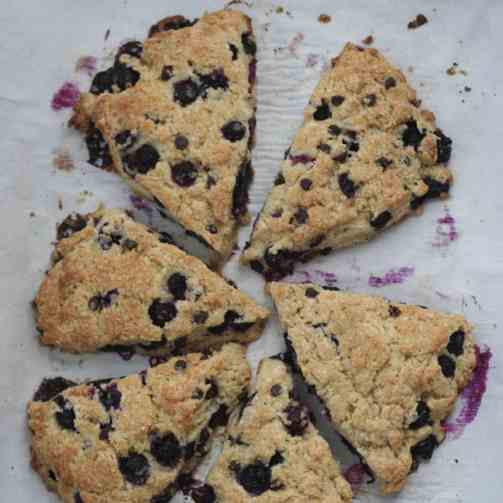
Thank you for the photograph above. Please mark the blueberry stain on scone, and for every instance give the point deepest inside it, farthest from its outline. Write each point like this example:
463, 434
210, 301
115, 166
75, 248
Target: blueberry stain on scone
371, 156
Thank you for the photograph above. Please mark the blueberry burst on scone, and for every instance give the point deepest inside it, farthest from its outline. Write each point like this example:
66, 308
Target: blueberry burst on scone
130, 439
387, 373
175, 117
273, 453
116, 283
366, 156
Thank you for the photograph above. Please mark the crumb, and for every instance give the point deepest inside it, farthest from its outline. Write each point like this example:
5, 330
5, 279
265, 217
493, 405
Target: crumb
410, 69
86, 64
107, 34
369, 40
60, 203
467, 89
63, 160
451, 71
463, 72
295, 42
32, 214
455, 63
456, 460
279, 9
420, 20
312, 60
83, 196
324, 18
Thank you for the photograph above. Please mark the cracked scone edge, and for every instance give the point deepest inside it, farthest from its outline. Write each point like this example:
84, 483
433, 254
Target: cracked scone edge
76, 460
220, 41
273, 436
365, 347
354, 168
110, 286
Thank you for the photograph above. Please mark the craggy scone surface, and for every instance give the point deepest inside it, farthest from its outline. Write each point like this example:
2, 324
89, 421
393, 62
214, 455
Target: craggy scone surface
273, 453
175, 116
129, 439
366, 156
388, 373
116, 282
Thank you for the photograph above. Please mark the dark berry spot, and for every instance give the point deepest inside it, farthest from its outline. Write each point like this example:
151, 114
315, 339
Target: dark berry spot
240, 196
324, 147
448, 365
301, 216
422, 416
125, 139
166, 449
214, 80
425, 448
252, 126
197, 394
317, 241
334, 130
203, 493
311, 293
200, 317
103, 82
435, 190
132, 48
177, 286
384, 162
306, 184
50, 387
389, 83
370, 100
347, 185
171, 23
212, 229
234, 131
66, 416
277, 213
110, 397
337, 100
456, 343
70, 225
255, 478
167, 72
142, 160
297, 419
129, 244
235, 51
181, 142
381, 220
166, 495
210, 182
202, 441
165, 237
277, 459
393, 311
78, 498
444, 147
124, 76
52, 475
135, 468
342, 157
252, 73
105, 429
280, 179
412, 136
322, 112
100, 302
212, 391
184, 173
220, 417
249, 45
276, 390
99, 153
162, 312
186, 92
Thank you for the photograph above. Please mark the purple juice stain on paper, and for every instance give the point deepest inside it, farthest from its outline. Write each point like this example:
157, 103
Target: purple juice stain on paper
86, 64
393, 276
316, 276
66, 96
126, 354
141, 203
471, 396
312, 60
294, 44
153, 361
354, 474
446, 231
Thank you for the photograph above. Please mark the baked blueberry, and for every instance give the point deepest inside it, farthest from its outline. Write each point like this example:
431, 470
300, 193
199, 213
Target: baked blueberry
311, 292
177, 285
99, 153
141, 160
212, 391
186, 92
103, 82
132, 48
162, 312
277, 459
389, 83
70, 225
347, 185
448, 365
301, 216
167, 72
444, 147
370, 100
125, 139
214, 80
166, 495
171, 23
200, 317
423, 416
297, 419
110, 397
166, 449
234, 131
425, 448
249, 45
184, 173
220, 417
240, 195
65, 417
135, 468
394, 311
181, 142
337, 100
411, 135
322, 112
306, 184
380, 221
255, 478
235, 51
456, 343
77, 498
276, 390
50, 387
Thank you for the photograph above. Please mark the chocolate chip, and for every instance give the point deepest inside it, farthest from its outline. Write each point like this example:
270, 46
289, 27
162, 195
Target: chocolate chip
186, 92
167, 72
411, 135
249, 45
384, 162
184, 173
276, 390
255, 478
235, 51
162, 312
393, 311
301, 216
456, 343
389, 83
135, 468
142, 160
370, 100
381, 220
347, 185
322, 112
306, 184
50, 387
177, 286
448, 365
234, 131
240, 195
166, 449
181, 142
423, 416
311, 293
337, 100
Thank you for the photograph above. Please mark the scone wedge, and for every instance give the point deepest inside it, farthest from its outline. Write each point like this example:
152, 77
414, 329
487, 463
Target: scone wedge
130, 439
273, 453
387, 373
175, 117
366, 156
116, 282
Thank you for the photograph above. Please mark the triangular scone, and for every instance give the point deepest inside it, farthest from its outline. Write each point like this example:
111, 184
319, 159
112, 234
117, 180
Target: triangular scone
175, 116
387, 373
129, 439
365, 157
116, 282
273, 453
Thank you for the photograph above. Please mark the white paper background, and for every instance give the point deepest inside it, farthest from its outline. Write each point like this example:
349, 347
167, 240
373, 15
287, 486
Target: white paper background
40, 43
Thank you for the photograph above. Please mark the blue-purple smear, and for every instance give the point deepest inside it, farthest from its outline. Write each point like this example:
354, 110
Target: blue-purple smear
354, 475
446, 231
471, 396
66, 96
393, 276
86, 64
153, 361
141, 204
316, 276
126, 355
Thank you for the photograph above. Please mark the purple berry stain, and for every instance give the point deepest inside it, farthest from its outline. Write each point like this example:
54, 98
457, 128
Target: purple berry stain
315, 276
393, 276
86, 64
354, 474
66, 96
301, 159
153, 361
472, 395
446, 231
140, 203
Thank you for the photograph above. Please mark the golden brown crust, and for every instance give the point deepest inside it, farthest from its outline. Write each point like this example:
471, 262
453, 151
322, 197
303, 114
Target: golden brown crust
365, 157
377, 367
80, 437
116, 283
